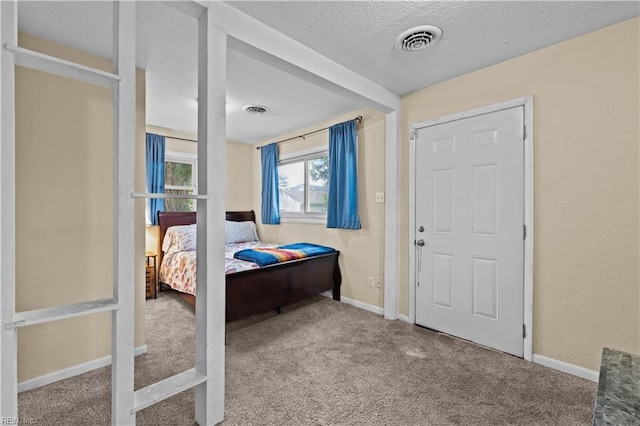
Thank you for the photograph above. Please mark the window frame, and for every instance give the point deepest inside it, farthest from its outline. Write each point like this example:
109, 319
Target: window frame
304, 156
183, 158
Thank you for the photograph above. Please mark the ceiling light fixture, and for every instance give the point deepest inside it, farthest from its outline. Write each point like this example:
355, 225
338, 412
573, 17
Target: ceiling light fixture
255, 109
418, 38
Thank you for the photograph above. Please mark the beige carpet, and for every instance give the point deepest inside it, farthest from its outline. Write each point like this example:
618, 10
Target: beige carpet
325, 362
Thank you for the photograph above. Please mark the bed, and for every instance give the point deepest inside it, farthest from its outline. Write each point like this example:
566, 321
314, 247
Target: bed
257, 290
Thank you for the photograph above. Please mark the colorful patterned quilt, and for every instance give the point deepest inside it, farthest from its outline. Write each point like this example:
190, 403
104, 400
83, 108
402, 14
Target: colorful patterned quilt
264, 256
178, 269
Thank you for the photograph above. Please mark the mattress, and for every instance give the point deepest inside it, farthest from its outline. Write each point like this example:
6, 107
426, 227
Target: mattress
178, 270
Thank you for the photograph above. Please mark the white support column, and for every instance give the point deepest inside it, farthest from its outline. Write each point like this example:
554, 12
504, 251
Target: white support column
391, 213
8, 342
210, 298
124, 126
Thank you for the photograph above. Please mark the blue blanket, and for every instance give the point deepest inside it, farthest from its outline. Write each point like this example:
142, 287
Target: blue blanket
269, 256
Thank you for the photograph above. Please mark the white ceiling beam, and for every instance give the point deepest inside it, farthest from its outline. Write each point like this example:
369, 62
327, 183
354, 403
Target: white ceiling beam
321, 70
190, 8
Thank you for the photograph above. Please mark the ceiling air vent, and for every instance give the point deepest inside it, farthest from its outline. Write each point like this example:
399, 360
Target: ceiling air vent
255, 109
418, 38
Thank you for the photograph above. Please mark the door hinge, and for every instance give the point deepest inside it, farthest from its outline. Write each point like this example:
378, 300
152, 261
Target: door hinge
524, 232
412, 134
524, 132
524, 331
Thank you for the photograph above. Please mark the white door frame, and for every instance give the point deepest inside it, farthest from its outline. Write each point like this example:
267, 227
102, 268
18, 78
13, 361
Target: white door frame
527, 103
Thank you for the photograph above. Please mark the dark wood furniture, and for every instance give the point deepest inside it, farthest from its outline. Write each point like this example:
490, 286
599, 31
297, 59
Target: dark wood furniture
260, 290
151, 275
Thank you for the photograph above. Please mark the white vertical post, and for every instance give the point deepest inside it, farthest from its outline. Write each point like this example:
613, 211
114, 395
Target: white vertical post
412, 224
8, 342
529, 221
210, 292
124, 126
392, 186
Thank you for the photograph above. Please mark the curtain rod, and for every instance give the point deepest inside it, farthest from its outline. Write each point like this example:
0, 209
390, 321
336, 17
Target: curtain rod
181, 139
358, 119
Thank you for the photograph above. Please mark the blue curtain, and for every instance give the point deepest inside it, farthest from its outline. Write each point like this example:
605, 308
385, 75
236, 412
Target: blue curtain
342, 209
155, 174
270, 193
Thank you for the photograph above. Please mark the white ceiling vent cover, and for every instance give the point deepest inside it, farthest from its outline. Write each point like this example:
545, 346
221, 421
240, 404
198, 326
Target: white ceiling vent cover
418, 38
254, 109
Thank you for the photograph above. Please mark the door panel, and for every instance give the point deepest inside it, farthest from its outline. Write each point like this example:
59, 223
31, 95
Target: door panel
443, 280
443, 201
484, 205
484, 287
470, 201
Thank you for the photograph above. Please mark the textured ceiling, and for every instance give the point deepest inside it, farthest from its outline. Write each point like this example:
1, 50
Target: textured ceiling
167, 45
167, 50
358, 35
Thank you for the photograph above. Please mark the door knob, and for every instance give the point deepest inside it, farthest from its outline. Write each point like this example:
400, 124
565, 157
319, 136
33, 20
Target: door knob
420, 243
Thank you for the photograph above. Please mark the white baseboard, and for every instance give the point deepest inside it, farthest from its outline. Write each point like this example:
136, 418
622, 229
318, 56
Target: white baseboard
357, 304
566, 368
405, 319
66, 373
362, 305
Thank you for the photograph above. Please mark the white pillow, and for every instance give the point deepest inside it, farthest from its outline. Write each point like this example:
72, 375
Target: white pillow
239, 232
179, 238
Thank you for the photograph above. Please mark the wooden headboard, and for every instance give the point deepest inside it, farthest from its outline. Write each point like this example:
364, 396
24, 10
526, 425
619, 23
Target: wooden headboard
241, 216
168, 219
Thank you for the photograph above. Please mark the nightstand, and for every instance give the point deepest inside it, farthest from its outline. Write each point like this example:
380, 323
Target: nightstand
151, 275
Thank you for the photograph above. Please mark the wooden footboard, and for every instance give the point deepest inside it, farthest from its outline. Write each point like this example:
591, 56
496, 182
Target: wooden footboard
271, 287
260, 290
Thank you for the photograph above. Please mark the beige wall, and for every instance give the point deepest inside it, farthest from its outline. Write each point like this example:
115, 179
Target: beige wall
586, 123
239, 175
361, 251
64, 211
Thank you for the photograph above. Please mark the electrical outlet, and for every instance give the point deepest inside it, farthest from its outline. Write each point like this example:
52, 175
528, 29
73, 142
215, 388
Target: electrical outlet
379, 282
379, 197
370, 282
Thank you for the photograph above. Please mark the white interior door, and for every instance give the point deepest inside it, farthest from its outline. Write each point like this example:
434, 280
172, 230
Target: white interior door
470, 216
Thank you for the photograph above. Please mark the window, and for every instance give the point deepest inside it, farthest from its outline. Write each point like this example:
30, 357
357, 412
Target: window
303, 183
180, 177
